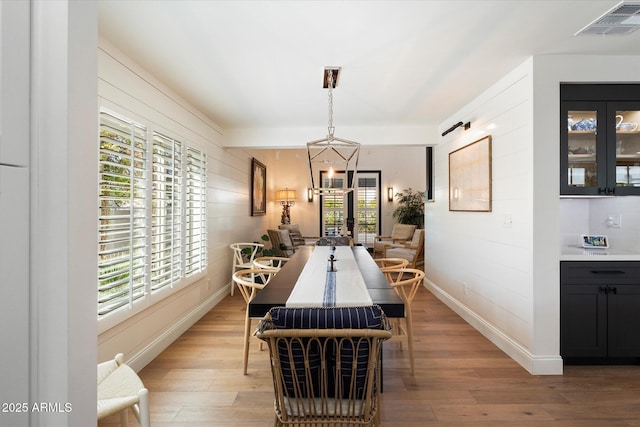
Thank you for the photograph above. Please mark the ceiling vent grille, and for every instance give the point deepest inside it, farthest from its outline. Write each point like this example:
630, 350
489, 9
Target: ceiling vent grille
623, 19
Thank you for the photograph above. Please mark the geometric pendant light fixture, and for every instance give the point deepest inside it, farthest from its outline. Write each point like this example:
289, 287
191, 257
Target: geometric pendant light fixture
333, 155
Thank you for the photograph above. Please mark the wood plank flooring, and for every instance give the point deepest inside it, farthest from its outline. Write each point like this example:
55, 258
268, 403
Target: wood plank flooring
461, 379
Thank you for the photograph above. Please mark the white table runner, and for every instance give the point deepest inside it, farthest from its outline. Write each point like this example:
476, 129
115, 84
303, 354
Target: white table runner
317, 286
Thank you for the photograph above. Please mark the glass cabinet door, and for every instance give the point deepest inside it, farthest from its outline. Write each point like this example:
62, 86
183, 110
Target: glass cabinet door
627, 146
583, 151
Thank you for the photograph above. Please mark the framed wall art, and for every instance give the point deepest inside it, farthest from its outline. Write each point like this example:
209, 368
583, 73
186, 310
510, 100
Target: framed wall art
470, 177
258, 188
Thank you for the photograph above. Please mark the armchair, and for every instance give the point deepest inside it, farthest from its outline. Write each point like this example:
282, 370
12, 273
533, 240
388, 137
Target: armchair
294, 233
399, 234
412, 251
281, 243
325, 364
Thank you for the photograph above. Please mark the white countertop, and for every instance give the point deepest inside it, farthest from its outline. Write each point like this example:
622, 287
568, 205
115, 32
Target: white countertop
577, 253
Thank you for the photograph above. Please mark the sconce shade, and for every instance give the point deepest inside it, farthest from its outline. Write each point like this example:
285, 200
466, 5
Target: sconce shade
390, 194
309, 194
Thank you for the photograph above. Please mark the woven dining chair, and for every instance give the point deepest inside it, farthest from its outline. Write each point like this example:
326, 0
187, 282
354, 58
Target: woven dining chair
325, 364
406, 282
389, 265
243, 256
249, 282
120, 389
270, 262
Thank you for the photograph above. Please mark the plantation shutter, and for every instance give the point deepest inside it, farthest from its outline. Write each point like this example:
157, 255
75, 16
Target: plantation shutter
196, 212
333, 206
367, 212
166, 214
122, 213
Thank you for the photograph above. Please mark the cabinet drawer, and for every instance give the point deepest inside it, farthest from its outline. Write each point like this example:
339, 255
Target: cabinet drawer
599, 272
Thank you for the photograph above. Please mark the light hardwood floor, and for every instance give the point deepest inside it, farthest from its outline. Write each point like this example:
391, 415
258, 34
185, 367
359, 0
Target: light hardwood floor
461, 379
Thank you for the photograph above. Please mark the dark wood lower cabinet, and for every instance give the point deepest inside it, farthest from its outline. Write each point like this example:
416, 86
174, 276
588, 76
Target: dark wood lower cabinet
600, 311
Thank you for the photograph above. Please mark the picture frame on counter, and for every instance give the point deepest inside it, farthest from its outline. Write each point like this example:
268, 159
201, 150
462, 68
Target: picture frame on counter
592, 241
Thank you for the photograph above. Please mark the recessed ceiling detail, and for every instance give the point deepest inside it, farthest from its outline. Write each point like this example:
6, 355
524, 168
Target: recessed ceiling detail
623, 19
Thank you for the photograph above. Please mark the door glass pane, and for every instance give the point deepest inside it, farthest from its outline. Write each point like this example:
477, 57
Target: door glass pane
582, 128
627, 148
367, 208
333, 205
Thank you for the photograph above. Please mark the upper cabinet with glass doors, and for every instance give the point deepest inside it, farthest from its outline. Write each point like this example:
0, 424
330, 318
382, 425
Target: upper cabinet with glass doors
600, 139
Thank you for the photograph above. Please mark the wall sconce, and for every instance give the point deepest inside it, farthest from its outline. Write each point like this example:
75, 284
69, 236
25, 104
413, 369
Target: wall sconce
286, 197
390, 194
309, 195
467, 126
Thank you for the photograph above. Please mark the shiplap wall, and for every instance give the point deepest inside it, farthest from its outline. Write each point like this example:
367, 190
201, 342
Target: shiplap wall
473, 262
129, 90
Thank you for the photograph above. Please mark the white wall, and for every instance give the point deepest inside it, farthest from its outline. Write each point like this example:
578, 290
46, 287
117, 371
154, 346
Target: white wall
299, 136
478, 266
63, 239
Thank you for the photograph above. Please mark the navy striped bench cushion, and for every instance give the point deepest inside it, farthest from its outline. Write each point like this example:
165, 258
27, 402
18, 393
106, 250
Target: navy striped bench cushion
367, 317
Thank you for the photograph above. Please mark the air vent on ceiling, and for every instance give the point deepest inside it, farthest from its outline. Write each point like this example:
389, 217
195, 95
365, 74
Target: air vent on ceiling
624, 18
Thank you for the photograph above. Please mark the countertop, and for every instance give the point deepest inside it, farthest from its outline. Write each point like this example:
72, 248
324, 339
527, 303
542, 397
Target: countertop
577, 253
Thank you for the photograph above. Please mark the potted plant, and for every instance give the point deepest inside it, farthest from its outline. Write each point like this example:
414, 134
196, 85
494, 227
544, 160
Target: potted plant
410, 208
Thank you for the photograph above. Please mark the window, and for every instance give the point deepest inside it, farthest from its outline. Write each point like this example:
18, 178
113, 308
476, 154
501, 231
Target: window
152, 215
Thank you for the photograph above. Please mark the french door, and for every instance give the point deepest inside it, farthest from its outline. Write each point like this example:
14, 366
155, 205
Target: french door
356, 213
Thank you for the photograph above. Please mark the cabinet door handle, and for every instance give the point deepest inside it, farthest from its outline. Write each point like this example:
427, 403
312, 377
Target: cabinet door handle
611, 190
614, 290
602, 290
607, 272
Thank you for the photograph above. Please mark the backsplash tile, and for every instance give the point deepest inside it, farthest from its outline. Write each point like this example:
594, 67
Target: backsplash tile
589, 216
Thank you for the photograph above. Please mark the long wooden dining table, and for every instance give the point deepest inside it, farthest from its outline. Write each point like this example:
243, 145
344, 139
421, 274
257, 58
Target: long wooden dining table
276, 293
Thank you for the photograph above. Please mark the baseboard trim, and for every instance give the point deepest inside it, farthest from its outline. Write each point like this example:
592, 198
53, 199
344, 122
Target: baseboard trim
158, 345
535, 365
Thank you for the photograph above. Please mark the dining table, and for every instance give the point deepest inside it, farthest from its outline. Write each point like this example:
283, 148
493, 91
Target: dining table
285, 285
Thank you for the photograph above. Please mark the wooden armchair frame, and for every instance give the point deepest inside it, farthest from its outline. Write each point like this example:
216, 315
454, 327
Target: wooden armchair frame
327, 392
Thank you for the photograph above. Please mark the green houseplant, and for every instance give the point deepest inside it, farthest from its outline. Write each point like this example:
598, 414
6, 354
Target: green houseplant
410, 208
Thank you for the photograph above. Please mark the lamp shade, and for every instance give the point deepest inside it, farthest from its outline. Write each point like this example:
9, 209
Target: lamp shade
286, 195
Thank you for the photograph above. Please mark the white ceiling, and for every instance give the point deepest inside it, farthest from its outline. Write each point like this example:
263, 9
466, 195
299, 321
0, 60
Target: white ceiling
249, 64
